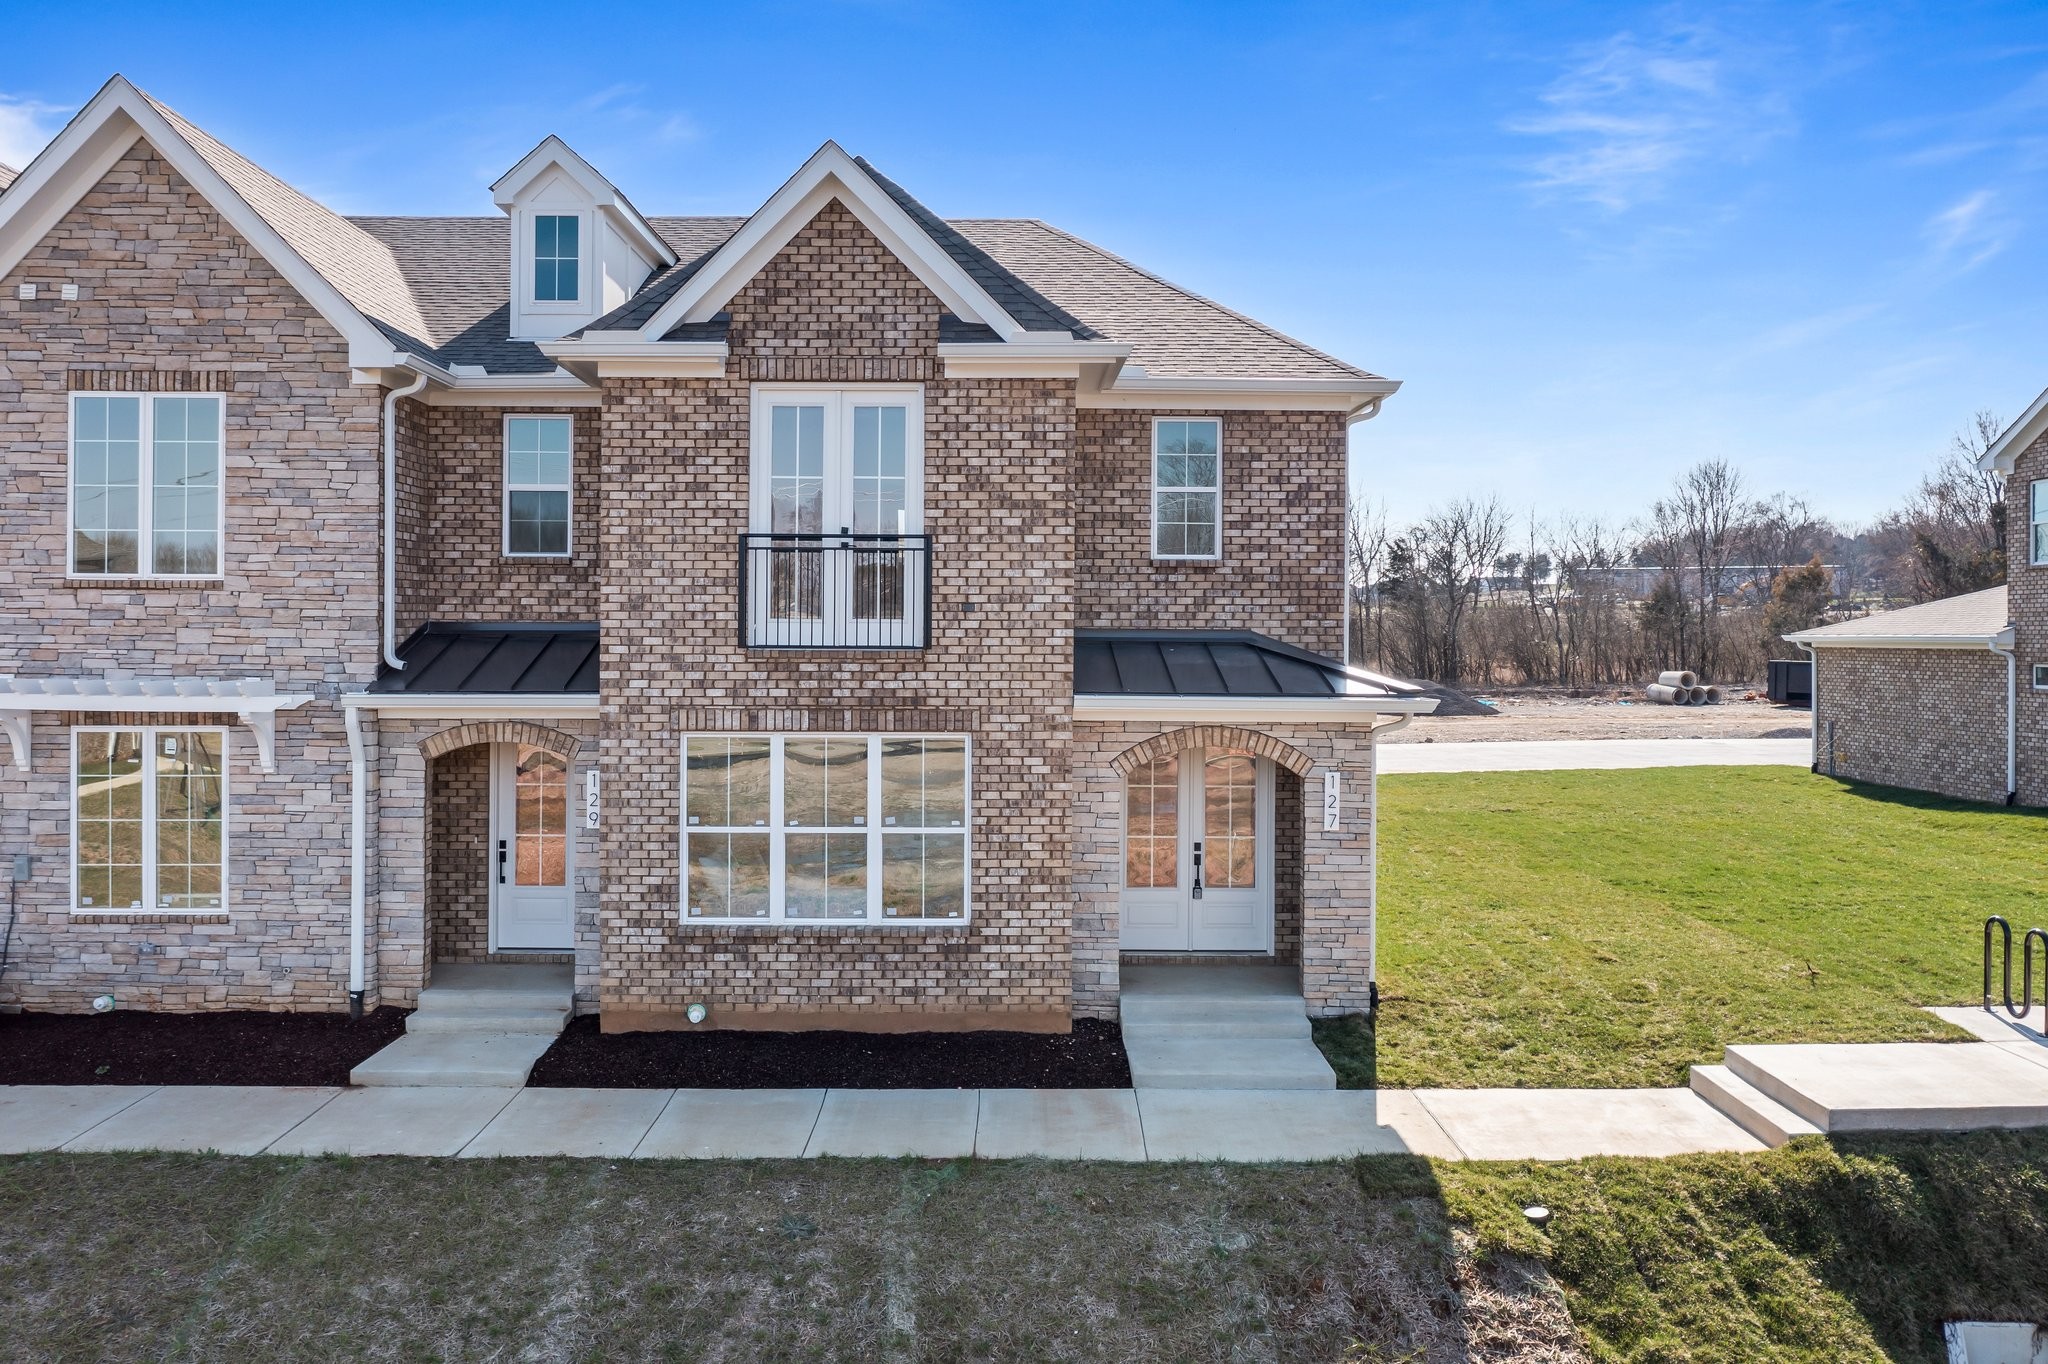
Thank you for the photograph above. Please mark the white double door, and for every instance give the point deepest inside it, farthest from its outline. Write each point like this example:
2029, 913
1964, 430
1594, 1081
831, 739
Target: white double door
533, 905
1198, 853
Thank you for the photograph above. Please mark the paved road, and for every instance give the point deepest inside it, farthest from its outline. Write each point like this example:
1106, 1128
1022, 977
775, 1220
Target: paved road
1553, 755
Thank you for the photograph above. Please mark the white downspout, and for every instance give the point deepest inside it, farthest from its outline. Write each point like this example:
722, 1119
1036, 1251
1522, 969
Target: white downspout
1813, 698
1372, 864
358, 828
391, 517
2012, 718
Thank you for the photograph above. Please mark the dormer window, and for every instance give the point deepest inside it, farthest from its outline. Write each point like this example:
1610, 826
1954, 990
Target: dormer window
557, 257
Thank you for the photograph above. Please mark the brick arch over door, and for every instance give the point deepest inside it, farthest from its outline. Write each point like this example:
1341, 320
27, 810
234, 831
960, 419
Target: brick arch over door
1214, 736
562, 745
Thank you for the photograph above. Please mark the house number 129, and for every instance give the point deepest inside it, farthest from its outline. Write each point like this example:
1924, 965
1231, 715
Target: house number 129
590, 799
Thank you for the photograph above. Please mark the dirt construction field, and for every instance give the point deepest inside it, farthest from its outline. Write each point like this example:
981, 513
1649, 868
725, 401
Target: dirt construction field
1554, 714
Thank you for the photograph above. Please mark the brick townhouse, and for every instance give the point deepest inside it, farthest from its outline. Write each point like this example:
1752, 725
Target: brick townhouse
833, 616
1951, 696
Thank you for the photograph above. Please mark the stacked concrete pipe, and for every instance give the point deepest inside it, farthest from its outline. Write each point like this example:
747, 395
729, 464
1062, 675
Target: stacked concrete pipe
1678, 687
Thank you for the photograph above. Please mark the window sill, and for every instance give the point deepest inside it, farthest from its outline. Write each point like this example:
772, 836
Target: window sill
813, 929
539, 558
145, 584
1165, 561
158, 916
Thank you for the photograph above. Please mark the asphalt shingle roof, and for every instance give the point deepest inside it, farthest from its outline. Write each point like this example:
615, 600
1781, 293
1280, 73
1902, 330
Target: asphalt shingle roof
1972, 618
7, 175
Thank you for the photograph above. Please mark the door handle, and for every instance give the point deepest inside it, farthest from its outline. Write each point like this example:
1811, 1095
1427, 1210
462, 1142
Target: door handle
1198, 870
501, 861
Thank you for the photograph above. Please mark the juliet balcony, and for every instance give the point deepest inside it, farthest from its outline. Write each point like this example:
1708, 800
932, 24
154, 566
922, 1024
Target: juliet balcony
844, 591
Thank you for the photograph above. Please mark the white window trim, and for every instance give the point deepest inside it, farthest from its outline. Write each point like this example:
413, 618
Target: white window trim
149, 868
2041, 677
145, 549
839, 403
2037, 517
507, 487
1152, 477
778, 832
528, 258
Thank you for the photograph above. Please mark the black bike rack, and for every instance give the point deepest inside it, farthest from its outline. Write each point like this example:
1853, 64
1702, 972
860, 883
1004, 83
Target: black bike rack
2033, 935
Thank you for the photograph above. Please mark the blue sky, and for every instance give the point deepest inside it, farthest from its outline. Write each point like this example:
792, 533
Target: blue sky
1597, 243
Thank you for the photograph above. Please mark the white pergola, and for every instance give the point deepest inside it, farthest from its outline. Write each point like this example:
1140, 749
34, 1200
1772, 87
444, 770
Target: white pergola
254, 701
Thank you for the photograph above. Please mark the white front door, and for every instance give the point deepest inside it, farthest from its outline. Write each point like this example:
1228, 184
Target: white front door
1198, 853
532, 906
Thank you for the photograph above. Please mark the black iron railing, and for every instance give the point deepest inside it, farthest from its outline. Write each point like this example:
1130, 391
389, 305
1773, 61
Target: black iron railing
835, 591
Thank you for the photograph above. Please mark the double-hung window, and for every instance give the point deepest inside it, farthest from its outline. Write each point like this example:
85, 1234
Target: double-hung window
149, 820
840, 828
1187, 488
557, 257
537, 485
146, 485
2037, 521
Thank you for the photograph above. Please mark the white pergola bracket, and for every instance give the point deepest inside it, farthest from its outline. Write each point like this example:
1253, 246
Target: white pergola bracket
252, 700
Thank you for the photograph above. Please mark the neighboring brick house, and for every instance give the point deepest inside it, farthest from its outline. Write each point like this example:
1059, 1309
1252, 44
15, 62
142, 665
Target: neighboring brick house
836, 616
1951, 696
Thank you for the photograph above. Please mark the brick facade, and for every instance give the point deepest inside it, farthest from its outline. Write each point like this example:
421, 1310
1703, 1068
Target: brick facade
2027, 599
171, 299
1928, 719
1284, 489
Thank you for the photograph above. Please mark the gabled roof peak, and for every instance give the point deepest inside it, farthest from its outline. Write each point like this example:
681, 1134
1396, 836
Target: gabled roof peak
553, 153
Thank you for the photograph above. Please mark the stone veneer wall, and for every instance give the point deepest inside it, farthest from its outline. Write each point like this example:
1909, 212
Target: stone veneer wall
836, 307
452, 564
1283, 530
402, 825
170, 298
1927, 719
1336, 885
2027, 598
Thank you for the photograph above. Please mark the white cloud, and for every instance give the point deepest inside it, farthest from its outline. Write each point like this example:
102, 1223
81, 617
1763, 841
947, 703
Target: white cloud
1631, 113
1968, 232
26, 127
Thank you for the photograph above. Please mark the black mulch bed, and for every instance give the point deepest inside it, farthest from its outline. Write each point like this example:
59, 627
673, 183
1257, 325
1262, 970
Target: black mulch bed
1090, 1057
230, 1047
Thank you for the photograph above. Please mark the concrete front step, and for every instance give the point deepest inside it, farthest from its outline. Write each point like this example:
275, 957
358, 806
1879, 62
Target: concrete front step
1755, 1112
501, 1060
1218, 1063
549, 1022
1901, 1086
1194, 1017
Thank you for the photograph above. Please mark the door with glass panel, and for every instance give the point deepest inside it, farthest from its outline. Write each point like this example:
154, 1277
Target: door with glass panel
1198, 853
836, 558
533, 906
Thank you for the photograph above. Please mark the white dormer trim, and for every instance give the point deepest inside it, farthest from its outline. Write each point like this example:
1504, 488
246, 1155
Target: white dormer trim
829, 174
2015, 441
553, 153
96, 139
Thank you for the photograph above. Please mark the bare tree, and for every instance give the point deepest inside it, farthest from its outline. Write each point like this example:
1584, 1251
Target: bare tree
1698, 521
1366, 542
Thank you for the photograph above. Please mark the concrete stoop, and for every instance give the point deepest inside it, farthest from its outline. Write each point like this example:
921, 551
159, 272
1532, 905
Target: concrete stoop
1778, 1092
482, 1025
1219, 1027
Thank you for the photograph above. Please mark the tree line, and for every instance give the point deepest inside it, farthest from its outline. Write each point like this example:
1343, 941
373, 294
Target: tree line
1710, 577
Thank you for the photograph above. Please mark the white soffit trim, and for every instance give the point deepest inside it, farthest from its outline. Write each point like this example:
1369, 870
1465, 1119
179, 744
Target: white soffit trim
627, 355
472, 705
2005, 452
553, 152
829, 174
1335, 710
2003, 637
98, 137
252, 700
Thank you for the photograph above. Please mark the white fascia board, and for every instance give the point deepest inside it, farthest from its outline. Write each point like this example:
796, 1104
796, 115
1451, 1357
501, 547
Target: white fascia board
561, 389
1198, 710
98, 137
1359, 398
626, 355
553, 152
461, 706
829, 174
1813, 640
2014, 440
1063, 359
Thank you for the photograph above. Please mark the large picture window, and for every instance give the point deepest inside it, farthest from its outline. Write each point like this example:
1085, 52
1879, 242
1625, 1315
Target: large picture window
146, 485
1187, 489
837, 828
149, 820
538, 485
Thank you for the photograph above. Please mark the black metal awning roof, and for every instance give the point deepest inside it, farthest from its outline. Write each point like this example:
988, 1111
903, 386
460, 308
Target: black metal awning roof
494, 659
1214, 663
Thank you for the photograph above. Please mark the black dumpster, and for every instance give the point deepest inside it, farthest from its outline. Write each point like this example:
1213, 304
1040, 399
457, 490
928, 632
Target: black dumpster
1791, 681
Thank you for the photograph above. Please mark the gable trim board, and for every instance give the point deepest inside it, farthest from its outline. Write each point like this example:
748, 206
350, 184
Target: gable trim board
2015, 440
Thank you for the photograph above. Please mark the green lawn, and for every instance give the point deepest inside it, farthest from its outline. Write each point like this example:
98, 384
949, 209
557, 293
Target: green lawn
1610, 928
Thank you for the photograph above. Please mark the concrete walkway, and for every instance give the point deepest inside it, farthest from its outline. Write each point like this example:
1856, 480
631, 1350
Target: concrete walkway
1556, 755
1065, 1124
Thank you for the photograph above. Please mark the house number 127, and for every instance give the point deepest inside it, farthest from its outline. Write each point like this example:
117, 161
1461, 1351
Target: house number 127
1333, 800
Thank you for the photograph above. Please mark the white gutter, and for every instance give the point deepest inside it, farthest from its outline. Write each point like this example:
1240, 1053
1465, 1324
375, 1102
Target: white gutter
1811, 640
2009, 648
1812, 695
1250, 709
391, 398
473, 706
358, 856
1372, 866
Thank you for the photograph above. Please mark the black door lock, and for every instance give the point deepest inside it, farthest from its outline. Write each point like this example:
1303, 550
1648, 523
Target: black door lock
501, 861
1198, 870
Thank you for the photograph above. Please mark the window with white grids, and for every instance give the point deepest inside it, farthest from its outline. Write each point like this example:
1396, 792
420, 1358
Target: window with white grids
146, 484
